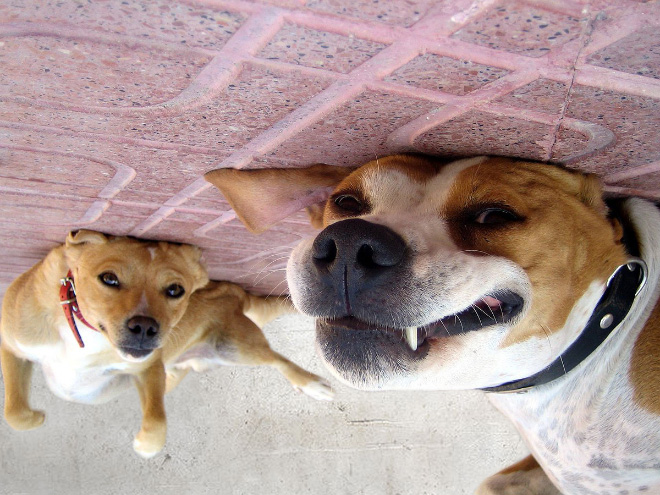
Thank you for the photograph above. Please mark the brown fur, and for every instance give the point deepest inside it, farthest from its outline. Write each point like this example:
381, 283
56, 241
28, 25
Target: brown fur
202, 328
528, 190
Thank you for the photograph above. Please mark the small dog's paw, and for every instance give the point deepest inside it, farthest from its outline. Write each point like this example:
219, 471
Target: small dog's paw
25, 419
148, 444
318, 389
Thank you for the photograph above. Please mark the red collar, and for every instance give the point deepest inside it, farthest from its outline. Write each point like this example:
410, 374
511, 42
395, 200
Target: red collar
70, 306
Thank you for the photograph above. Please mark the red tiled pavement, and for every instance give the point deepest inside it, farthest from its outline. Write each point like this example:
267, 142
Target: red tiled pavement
111, 112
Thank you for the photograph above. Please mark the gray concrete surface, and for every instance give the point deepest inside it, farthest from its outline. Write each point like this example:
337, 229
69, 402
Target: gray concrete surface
245, 431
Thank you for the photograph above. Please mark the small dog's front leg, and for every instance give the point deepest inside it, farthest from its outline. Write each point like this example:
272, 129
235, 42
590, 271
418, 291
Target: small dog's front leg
17, 373
151, 387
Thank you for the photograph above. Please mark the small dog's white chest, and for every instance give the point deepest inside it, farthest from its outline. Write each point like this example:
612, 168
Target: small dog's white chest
90, 375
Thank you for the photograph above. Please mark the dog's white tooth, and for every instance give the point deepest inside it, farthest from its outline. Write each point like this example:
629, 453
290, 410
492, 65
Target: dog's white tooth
410, 334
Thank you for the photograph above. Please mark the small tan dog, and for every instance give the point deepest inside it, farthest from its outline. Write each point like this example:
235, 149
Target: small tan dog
487, 273
140, 312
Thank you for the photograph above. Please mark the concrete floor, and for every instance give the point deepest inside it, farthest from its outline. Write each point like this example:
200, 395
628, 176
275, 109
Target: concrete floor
245, 431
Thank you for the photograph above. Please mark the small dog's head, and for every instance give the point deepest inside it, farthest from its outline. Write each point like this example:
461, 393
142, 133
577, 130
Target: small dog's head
132, 291
437, 275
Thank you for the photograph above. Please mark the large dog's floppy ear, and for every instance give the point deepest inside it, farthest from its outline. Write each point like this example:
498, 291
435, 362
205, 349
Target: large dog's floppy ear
263, 197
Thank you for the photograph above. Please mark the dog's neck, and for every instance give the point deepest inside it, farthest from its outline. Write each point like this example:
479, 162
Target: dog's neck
69, 304
623, 287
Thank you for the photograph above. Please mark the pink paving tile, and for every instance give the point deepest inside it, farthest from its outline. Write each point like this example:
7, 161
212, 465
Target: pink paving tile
46, 210
477, 133
637, 53
319, 49
647, 183
399, 13
173, 22
457, 77
28, 171
566, 144
356, 132
256, 100
121, 219
633, 119
544, 95
92, 73
519, 28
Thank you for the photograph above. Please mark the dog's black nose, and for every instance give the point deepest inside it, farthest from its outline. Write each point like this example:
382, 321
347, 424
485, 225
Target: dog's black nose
358, 244
143, 328
355, 256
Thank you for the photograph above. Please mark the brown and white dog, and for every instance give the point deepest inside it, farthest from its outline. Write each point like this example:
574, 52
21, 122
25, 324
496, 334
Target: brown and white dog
140, 312
487, 273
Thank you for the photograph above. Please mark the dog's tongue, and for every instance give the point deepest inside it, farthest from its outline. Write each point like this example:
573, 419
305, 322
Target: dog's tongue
491, 302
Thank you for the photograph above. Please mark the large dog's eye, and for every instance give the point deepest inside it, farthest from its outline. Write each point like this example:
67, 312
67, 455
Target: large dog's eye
349, 203
109, 279
495, 216
174, 291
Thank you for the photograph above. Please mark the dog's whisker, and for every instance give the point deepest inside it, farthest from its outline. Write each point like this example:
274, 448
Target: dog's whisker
274, 288
456, 317
266, 267
252, 272
445, 327
475, 308
262, 276
547, 335
492, 313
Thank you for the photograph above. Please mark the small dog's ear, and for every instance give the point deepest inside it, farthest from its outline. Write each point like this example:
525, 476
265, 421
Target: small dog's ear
193, 256
591, 193
263, 197
77, 239
84, 236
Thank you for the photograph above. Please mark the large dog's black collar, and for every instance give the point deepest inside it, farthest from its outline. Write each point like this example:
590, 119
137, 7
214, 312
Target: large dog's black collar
622, 288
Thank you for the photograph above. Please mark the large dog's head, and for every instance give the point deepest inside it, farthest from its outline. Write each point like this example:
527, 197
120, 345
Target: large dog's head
436, 275
132, 291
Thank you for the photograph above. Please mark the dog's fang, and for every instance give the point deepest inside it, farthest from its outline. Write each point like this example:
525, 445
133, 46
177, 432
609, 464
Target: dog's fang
410, 334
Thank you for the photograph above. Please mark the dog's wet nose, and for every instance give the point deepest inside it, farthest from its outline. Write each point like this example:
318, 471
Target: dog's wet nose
358, 247
143, 327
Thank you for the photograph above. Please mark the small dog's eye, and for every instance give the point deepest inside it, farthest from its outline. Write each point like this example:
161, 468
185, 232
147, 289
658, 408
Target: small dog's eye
110, 279
174, 291
349, 203
495, 216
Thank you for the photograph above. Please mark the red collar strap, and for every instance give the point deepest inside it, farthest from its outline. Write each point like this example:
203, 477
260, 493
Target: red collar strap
70, 306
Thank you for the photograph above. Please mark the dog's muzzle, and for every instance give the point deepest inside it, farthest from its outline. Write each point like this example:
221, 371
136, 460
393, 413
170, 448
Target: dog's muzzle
357, 259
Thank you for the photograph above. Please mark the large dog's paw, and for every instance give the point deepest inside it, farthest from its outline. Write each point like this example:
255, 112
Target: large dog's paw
25, 419
149, 441
523, 478
318, 389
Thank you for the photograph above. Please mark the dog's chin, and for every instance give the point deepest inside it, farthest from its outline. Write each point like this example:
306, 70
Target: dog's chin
368, 359
373, 356
134, 355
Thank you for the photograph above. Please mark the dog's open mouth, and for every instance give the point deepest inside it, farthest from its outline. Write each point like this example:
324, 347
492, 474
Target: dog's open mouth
497, 309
